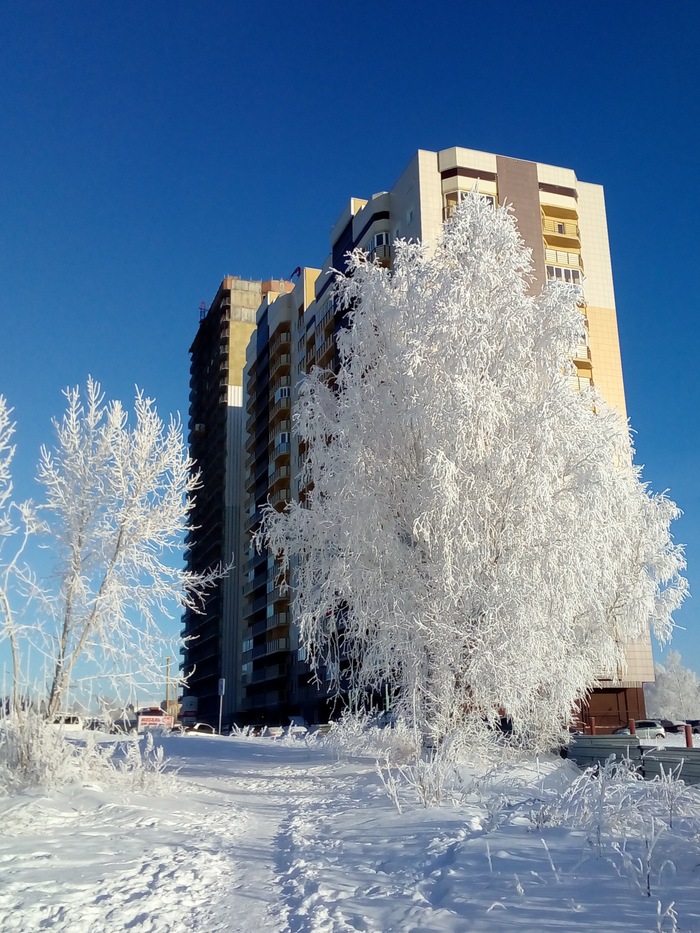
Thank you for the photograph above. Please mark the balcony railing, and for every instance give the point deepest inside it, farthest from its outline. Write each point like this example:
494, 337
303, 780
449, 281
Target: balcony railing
323, 349
277, 341
284, 360
582, 355
562, 257
282, 496
282, 405
253, 585
272, 672
283, 472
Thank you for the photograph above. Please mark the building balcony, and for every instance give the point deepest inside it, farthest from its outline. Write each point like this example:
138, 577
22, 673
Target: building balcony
283, 382
579, 383
381, 254
278, 620
269, 647
253, 477
263, 700
281, 407
257, 560
252, 520
283, 339
582, 357
281, 496
280, 365
563, 257
252, 606
279, 428
281, 452
277, 592
271, 672
561, 232
281, 473
254, 584
325, 350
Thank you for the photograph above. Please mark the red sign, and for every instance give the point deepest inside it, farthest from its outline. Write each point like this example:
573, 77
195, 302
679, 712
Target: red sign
153, 722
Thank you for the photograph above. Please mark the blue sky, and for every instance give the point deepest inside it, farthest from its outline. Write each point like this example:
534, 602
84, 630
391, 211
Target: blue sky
149, 149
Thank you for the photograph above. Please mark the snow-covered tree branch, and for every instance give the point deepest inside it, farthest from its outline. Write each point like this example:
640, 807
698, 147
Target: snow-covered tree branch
474, 531
114, 515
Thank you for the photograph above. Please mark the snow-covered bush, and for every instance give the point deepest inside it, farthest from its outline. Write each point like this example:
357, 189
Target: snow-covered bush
614, 800
428, 783
141, 765
371, 735
473, 531
35, 753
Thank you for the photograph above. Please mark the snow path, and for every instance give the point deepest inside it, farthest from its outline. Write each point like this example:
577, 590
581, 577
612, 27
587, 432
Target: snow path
260, 836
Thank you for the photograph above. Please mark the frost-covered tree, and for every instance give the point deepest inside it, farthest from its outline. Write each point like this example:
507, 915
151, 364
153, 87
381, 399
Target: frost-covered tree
676, 692
113, 517
473, 531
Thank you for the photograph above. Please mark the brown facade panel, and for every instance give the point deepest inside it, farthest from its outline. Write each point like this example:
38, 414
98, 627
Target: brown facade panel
559, 189
518, 185
613, 707
461, 172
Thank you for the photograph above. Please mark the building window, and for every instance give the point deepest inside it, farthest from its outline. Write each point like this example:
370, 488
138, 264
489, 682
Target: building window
562, 274
453, 198
379, 239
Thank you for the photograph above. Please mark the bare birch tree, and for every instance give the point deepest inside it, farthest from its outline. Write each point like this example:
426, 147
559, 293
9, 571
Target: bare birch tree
474, 532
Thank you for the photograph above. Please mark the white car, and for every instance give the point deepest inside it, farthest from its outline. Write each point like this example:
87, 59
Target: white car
200, 728
69, 722
644, 729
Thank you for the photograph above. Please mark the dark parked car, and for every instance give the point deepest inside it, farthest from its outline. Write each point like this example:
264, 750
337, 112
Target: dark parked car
673, 726
694, 725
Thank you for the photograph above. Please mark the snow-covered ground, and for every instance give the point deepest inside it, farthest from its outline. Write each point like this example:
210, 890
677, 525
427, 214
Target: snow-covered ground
265, 835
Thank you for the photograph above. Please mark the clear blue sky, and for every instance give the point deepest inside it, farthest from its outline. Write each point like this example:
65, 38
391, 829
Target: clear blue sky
147, 149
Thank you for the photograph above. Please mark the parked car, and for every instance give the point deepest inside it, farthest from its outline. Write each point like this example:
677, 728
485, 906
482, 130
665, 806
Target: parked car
644, 729
69, 722
694, 725
673, 726
200, 728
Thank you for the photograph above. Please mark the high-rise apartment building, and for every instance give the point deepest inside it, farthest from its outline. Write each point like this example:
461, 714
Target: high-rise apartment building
563, 222
211, 649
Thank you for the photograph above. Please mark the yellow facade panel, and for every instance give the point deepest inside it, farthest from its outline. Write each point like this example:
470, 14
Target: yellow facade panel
605, 356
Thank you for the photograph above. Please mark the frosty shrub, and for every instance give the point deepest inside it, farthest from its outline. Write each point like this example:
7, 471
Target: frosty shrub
473, 532
35, 753
614, 801
114, 511
429, 783
366, 735
141, 765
